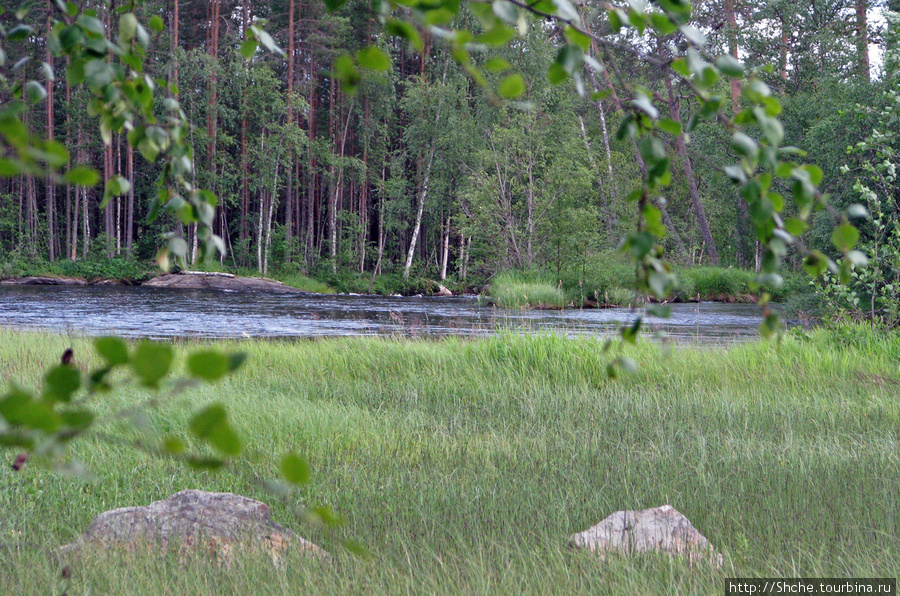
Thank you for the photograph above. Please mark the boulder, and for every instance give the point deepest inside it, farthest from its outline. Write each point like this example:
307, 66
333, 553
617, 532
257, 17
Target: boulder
219, 281
442, 290
194, 520
661, 529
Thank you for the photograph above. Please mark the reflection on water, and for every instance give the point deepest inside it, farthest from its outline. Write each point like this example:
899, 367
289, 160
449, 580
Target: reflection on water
167, 313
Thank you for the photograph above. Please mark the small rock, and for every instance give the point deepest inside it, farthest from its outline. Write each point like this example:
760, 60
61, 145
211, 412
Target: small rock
661, 529
189, 520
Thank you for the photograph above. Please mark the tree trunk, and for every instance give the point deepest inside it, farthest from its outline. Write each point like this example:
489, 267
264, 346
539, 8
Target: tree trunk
862, 38
743, 229
311, 164
445, 248
129, 215
604, 206
50, 188
289, 187
245, 165
681, 147
420, 211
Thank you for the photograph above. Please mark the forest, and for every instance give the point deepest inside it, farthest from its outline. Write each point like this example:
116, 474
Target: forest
414, 167
423, 140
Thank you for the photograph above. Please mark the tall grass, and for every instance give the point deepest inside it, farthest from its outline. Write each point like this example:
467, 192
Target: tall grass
517, 289
463, 466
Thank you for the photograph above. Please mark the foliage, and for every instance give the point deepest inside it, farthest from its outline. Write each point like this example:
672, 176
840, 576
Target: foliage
873, 292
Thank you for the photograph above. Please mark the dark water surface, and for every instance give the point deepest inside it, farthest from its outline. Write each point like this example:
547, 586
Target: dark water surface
168, 313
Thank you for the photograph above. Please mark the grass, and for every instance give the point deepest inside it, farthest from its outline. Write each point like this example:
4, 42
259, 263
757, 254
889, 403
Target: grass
515, 289
608, 280
464, 466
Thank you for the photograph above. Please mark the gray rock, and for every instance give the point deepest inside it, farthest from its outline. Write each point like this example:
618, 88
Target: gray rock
442, 290
42, 281
209, 281
192, 520
661, 529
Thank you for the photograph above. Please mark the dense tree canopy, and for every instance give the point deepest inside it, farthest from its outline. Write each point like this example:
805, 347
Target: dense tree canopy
439, 137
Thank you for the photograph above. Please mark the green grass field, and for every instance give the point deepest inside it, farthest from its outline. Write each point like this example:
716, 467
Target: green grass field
464, 466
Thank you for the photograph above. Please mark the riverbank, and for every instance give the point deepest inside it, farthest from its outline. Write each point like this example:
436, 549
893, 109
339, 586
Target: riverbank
463, 466
610, 288
603, 284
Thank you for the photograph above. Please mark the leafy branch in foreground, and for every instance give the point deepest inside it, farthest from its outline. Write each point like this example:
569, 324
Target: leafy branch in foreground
44, 423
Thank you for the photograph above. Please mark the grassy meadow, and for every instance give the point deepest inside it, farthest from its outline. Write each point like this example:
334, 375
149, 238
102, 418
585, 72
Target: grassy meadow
464, 466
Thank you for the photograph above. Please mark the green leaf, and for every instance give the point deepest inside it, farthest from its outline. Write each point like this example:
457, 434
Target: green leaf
845, 237
643, 103
173, 445
556, 74
294, 468
248, 48
178, 246
156, 24
630, 332
497, 36
730, 65
208, 365
34, 92
662, 23
506, 11
511, 87
770, 325
662, 311
373, 58
577, 38
693, 34
673, 127
235, 360
266, 40
736, 173
627, 365
497, 64
745, 146
61, 382
403, 29
151, 362
345, 71
19, 32
617, 18
77, 418
333, 5
83, 176
211, 425
566, 11
857, 210
112, 349
128, 25
19, 408
795, 226
857, 258
205, 463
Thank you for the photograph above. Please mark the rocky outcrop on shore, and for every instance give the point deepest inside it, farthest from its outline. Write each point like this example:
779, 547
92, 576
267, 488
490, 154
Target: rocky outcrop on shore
191, 280
35, 280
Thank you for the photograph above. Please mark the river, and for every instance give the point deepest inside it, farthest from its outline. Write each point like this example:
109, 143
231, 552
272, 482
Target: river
162, 313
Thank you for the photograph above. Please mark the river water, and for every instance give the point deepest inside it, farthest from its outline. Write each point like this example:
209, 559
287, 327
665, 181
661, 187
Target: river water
161, 313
